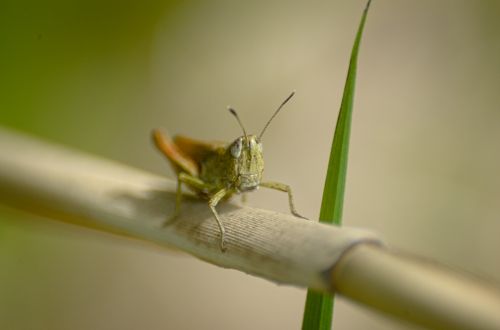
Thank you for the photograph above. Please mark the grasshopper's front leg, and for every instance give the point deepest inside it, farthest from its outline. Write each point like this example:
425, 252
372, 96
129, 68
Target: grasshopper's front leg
190, 181
212, 203
244, 198
214, 200
285, 188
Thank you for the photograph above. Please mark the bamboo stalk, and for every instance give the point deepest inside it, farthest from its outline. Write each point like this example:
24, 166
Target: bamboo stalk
70, 186
416, 290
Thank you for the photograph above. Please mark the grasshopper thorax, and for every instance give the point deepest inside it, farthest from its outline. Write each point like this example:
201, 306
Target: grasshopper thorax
248, 162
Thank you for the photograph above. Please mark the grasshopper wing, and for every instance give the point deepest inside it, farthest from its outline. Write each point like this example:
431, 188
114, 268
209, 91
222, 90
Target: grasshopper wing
196, 149
180, 160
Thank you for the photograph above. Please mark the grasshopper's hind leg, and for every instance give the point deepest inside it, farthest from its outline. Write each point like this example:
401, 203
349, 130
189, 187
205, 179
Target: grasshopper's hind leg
190, 181
285, 188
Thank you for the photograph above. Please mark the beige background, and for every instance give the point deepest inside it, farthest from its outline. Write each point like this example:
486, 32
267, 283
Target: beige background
424, 157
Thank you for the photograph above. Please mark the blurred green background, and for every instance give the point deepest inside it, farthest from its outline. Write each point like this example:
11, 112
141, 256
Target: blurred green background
99, 75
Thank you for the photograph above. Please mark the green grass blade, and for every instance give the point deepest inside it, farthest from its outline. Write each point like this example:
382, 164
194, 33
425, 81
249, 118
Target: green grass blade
318, 311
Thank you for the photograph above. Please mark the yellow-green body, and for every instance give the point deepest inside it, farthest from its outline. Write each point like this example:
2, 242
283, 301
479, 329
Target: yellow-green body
221, 169
216, 171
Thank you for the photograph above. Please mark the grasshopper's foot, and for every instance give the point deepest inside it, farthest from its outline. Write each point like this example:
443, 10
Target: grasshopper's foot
298, 215
222, 243
223, 247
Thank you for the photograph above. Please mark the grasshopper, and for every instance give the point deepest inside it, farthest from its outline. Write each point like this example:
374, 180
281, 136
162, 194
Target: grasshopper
216, 171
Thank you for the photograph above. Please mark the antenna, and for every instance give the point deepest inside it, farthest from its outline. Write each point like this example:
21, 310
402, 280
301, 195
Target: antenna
275, 113
233, 112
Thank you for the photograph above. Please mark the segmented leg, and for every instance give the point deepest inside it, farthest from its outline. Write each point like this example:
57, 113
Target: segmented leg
244, 198
214, 200
189, 180
285, 188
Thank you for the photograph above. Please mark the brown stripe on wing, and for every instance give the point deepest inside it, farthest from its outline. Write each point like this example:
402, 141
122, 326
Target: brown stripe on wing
180, 160
196, 149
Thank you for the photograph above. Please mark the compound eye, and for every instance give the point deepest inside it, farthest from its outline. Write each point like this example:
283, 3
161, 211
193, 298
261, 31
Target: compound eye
236, 148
